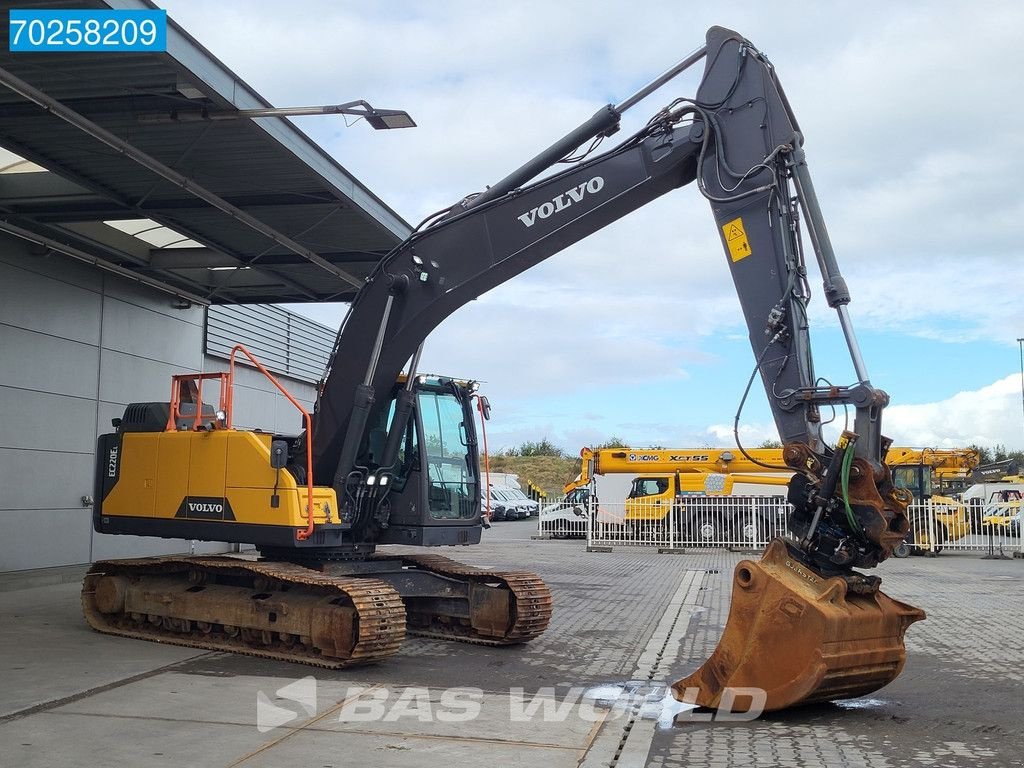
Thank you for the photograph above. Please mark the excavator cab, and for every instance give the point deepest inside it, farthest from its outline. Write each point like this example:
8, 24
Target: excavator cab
434, 494
179, 469
916, 478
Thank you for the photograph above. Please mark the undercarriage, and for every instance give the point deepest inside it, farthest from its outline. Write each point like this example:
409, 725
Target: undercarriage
331, 614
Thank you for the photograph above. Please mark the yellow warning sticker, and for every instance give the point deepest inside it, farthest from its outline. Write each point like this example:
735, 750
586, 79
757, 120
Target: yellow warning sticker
736, 239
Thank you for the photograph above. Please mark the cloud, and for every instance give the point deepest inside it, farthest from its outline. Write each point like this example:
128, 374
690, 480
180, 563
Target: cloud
751, 435
989, 416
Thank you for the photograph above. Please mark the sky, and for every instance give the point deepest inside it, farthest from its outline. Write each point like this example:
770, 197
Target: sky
913, 127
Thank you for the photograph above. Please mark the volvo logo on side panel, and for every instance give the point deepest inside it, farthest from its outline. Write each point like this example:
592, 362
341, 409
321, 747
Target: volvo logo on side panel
205, 508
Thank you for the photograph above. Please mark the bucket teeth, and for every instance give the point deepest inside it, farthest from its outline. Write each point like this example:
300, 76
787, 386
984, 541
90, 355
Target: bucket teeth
800, 637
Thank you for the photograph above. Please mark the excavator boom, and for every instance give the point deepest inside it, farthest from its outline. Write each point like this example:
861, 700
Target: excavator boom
738, 140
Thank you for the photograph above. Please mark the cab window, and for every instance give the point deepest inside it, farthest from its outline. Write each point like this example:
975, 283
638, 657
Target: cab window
452, 487
648, 486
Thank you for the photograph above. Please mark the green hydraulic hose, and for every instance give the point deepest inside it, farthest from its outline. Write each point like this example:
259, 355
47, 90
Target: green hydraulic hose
845, 480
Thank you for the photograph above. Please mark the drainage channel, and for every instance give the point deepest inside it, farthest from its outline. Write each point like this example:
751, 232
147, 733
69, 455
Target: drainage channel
628, 748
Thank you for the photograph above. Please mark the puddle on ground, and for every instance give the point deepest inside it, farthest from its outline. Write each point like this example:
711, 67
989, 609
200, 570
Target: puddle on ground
645, 699
648, 700
860, 703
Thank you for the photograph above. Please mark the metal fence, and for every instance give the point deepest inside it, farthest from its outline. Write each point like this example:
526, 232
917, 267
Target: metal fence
992, 529
750, 522
696, 520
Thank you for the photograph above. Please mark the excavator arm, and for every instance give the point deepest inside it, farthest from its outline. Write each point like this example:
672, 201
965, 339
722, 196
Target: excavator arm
739, 141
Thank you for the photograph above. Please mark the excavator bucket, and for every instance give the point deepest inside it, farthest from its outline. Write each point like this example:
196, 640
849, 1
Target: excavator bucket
800, 637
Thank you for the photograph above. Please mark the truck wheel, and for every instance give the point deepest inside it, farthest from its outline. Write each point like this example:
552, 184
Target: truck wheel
705, 529
751, 528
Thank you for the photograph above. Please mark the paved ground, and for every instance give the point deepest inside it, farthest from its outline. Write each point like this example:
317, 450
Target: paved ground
72, 697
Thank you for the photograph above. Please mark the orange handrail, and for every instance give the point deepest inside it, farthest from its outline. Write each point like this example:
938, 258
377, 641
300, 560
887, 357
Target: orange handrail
303, 534
487, 461
174, 411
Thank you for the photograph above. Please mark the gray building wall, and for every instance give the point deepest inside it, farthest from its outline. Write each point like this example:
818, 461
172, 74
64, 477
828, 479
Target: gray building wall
294, 348
77, 345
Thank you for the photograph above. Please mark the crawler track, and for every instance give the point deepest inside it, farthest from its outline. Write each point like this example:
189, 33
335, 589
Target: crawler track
272, 610
529, 607
285, 611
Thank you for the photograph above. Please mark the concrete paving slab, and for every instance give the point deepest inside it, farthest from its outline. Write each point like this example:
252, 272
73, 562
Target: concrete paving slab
71, 740
500, 717
109, 701
334, 750
175, 695
49, 653
956, 704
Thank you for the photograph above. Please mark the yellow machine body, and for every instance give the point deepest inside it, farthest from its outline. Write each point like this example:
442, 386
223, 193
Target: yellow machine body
669, 490
192, 484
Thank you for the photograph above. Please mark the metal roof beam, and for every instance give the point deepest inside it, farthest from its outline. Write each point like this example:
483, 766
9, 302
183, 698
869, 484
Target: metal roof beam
80, 255
98, 208
83, 240
37, 188
117, 247
98, 234
45, 161
340, 257
104, 136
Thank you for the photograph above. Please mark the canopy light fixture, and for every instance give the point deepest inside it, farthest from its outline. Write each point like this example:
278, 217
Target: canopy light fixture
380, 119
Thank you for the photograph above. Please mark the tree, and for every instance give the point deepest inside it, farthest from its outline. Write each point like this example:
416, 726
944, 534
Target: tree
998, 452
613, 442
984, 454
540, 448
770, 444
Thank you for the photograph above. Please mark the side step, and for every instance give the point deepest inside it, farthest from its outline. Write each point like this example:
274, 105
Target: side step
801, 637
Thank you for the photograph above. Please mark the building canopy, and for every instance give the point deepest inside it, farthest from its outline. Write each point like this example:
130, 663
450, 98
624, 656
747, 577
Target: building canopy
135, 163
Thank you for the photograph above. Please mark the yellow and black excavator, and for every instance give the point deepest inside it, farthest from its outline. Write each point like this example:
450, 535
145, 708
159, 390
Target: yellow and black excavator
391, 461
926, 472
931, 474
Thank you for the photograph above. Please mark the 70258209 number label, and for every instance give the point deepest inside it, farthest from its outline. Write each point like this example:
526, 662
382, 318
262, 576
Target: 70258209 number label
69, 31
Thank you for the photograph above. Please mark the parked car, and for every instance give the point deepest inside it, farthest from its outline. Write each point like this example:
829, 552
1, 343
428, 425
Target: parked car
514, 509
498, 505
522, 501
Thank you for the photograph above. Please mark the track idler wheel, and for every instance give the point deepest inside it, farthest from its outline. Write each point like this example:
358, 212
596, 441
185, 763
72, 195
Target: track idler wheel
801, 637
